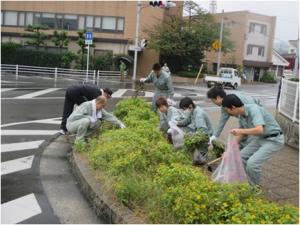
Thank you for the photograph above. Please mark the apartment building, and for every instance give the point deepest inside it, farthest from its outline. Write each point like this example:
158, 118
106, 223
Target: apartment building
113, 24
253, 36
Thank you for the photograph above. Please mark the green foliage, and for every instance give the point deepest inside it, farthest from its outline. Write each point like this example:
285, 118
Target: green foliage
60, 39
192, 74
196, 141
103, 62
15, 54
80, 146
268, 77
146, 174
186, 38
38, 37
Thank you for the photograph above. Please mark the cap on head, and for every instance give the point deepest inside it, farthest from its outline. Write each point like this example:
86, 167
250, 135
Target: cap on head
108, 91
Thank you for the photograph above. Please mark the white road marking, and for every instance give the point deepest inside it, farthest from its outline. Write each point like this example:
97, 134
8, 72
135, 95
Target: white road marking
37, 98
20, 146
48, 121
177, 95
20, 209
7, 89
119, 93
16, 165
27, 132
37, 93
148, 94
13, 82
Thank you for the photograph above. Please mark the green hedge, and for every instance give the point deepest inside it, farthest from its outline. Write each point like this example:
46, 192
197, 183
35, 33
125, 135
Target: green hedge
268, 77
151, 178
191, 74
12, 53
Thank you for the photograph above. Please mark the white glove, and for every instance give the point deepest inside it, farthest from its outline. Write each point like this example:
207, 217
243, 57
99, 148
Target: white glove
171, 102
142, 80
122, 126
93, 119
169, 131
211, 139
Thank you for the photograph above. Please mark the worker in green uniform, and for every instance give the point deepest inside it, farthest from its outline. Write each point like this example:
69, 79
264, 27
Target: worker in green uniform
267, 135
162, 83
122, 70
216, 95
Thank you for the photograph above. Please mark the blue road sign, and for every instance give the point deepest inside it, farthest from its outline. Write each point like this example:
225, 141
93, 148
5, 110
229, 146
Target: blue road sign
89, 36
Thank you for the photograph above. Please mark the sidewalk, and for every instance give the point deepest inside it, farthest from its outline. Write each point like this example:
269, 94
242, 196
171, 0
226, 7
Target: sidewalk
280, 176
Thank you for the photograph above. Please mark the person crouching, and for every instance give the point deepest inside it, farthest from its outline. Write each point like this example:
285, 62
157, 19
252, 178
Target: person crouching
87, 117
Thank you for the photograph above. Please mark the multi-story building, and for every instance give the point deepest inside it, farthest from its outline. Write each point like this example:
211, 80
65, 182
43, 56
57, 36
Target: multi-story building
291, 55
113, 24
252, 35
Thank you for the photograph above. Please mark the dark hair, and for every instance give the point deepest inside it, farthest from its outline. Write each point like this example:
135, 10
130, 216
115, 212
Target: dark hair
108, 91
186, 102
161, 101
232, 100
156, 66
215, 92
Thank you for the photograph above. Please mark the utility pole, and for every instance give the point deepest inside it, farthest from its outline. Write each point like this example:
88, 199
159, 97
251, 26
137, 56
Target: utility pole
296, 64
220, 41
87, 63
137, 27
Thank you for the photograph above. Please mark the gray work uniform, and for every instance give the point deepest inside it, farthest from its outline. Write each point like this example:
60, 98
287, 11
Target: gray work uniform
163, 86
197, 120
261, 147
79, 122
172, 114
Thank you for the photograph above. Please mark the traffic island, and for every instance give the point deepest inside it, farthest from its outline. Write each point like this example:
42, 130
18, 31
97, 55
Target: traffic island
103, 203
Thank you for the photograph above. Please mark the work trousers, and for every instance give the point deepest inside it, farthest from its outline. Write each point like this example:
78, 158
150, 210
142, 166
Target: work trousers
82, 127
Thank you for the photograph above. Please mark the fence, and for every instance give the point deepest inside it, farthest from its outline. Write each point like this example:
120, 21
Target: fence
289, 99
59, 73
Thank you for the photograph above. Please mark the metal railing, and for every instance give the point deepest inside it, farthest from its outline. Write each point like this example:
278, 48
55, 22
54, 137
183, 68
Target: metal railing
289, 99
59, 73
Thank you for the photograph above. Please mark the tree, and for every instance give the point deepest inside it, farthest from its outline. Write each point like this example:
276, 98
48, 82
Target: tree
37, 36
182, 41
60, 39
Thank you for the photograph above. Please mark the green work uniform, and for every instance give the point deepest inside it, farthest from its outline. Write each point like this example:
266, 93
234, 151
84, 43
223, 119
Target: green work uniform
172, 114
225, 116
197, 120
163, 86
79, 122
261, 147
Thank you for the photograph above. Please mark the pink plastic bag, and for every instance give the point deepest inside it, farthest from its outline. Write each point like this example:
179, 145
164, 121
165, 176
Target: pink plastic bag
231, 168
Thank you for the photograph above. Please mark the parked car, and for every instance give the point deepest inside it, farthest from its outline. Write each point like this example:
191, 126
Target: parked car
227, 77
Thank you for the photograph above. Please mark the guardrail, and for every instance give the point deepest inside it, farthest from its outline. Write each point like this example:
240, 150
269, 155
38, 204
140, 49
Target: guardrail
58, 73
289, 99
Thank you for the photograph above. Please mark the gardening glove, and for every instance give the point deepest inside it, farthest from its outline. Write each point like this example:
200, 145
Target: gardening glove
171, 102
93, 119
169, 131
122, 126
211, 139
142, 80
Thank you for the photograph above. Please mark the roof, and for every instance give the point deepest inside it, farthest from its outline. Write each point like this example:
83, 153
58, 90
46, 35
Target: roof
278, 60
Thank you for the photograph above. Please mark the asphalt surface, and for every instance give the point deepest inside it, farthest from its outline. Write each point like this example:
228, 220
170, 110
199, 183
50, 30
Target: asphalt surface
31, 108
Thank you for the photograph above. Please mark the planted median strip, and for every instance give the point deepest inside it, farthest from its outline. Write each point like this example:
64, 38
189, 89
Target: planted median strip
160, 184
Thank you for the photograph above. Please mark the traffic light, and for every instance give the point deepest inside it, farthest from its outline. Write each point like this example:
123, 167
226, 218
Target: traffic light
143, 43
162, 4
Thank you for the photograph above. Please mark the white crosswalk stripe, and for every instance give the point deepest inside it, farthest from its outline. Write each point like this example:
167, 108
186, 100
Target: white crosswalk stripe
7, 89
20, 146
20, 209
27, 132
16, 165
37, 93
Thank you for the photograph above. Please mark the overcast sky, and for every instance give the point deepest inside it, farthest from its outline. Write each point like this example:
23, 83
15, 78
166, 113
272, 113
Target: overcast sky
287, 13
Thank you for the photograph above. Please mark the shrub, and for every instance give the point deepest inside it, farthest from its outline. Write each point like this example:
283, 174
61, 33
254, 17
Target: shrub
191, 74
148, 175
268, 77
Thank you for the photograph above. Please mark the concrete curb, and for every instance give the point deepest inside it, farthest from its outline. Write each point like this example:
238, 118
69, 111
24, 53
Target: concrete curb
104, 206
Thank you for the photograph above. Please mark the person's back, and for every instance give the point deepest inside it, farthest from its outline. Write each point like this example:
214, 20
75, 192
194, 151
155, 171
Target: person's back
200, 121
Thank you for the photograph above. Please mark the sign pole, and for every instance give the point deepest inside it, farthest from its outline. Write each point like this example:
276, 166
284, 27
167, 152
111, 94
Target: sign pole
87, 63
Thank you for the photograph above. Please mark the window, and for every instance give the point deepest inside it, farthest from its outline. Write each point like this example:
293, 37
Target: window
81, 22
89, 22
59, 21
263, 29
258, 28
252, 28
2, 18
10, 18
70, 22
249, 49
261, 51
29, 18
97, 24
48, 19
108, 23
120, 26
21, 19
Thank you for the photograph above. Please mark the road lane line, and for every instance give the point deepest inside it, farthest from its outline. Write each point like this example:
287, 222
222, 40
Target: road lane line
119, 93
7, 89
27, 132
20, 209
20, 146
37, 93
49, 120
16, 165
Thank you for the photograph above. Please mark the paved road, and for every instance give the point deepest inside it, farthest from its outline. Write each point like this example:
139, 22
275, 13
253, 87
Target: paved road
31, 108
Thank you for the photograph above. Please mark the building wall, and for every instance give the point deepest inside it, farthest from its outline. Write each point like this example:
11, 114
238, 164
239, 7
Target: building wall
118, 41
